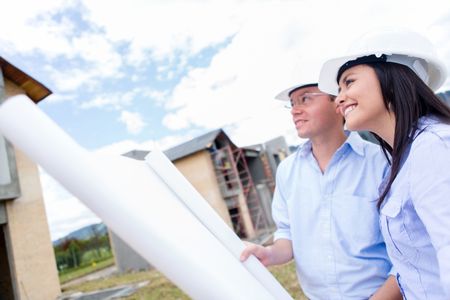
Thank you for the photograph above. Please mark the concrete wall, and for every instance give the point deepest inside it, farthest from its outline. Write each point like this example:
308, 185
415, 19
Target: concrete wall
31, 255
27, 236
125, 257
199, 171
266, 203
256, 168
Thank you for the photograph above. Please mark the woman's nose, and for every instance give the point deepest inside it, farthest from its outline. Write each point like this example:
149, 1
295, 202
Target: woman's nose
340, 98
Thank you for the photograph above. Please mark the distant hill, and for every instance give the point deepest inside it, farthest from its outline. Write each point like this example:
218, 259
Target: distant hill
84, 233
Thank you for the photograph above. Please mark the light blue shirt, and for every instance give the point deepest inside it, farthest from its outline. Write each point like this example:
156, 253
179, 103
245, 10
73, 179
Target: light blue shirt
332, 220
415, 217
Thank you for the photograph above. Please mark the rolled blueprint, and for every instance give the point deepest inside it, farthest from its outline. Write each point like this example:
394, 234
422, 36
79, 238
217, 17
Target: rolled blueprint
188, 195
140, 207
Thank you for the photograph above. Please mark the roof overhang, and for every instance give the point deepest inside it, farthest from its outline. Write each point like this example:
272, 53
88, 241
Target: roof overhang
35, 90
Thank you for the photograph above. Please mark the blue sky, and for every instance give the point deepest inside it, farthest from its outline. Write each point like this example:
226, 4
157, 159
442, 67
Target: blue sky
145, 74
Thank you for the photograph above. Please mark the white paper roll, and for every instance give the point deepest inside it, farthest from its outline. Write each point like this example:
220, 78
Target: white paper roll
187, 194
136, 204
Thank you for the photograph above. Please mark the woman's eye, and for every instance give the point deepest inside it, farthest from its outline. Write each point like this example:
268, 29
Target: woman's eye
348, 82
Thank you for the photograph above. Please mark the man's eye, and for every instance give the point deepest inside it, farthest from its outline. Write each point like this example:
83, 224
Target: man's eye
307, 98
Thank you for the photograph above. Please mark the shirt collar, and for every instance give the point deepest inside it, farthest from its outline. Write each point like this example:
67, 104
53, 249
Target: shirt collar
427, 120
354, 141
305, 148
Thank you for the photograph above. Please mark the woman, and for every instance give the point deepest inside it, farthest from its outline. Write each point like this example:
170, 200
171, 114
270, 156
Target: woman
385, 87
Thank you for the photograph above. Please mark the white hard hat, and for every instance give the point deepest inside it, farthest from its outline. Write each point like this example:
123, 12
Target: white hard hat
302, 73
284, 95
391, 45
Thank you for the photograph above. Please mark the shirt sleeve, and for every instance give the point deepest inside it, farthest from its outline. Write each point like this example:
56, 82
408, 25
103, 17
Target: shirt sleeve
430, 192
280, 211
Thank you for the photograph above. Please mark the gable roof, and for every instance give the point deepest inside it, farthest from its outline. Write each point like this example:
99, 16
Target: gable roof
137, 154
197, 144
35, 90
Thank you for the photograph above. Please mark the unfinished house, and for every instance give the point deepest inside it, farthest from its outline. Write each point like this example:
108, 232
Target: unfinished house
27, 262
237, 182
445, 96
262, 161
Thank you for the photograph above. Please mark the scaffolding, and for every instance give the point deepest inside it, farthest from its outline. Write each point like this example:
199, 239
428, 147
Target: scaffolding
239, 191
269, 181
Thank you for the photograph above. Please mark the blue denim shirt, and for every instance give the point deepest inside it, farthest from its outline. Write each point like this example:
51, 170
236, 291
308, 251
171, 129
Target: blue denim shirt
332, 220
415, 216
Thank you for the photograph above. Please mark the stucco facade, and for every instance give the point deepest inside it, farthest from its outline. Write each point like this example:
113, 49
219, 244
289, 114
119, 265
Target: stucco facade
26, 251
31, 257
205, 182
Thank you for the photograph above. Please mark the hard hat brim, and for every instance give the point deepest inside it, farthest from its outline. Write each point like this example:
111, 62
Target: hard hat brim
329, 71
284, 95
328, 74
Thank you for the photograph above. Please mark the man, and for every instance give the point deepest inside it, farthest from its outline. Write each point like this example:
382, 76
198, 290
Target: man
324, 206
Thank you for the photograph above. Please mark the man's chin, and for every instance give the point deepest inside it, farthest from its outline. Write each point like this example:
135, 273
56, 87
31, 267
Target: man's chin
302, 135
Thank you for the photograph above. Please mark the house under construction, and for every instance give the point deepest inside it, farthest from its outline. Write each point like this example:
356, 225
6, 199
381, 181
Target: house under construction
237, 182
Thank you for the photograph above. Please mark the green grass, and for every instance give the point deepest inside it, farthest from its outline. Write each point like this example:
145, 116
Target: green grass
287, 276
81, 271
160, 287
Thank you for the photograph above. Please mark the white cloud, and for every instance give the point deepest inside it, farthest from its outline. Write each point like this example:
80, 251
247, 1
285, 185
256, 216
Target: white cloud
124, 146
168, 33
155, 95
95, 48
57, 98
253, 130
276, 47
39, 29
267, 46
71, 79
121, 100
98, 101
158, 29
99, 60
133, 121
33, 33
176, 121
114, 101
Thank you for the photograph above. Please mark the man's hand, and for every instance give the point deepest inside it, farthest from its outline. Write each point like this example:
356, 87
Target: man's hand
278, 253
262, 253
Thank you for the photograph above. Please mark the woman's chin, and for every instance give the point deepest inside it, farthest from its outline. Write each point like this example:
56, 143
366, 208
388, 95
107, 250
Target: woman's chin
352, 125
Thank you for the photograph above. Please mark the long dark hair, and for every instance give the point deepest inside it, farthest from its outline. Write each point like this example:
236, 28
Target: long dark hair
409, 98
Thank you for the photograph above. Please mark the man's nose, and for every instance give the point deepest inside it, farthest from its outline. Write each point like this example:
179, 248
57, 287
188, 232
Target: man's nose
296, 109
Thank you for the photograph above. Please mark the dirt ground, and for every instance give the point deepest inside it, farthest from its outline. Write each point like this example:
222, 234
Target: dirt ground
92, 276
